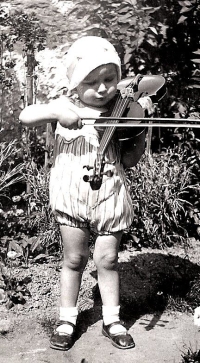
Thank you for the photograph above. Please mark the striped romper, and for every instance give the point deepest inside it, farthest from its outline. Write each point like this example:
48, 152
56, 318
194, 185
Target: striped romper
72, 200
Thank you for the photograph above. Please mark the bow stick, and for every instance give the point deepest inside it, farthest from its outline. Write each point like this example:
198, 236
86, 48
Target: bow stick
154, 122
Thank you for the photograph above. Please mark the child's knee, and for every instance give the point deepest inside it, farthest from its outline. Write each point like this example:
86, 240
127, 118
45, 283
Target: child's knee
106, 261
75, 261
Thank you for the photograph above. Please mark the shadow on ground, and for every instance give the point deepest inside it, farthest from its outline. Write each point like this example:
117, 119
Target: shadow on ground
148, 280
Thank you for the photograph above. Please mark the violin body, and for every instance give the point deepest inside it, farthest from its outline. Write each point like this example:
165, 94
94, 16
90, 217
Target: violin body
133, 110
149, 86
131, 142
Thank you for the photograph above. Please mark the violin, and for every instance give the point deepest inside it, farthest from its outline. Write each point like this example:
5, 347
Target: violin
130, 90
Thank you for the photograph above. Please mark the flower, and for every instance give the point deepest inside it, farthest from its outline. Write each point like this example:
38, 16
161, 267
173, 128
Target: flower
33, 206
197, 316
12, 255
19, 212
16, 198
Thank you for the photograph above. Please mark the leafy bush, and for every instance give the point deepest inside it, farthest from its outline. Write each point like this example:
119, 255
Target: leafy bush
9, 174
191, 356
21, 36
161, 191
155, 36
164, 190
27, 224
126, 23
41, 215
151, 36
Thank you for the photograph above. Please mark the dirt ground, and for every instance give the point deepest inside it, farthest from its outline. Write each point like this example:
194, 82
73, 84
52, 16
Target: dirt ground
159, 338
150, 280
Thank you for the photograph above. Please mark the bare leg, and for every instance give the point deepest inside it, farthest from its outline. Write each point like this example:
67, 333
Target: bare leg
105, 258
76, 252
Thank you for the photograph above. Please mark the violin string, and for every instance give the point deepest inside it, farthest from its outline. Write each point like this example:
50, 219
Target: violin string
108, 133
120, 106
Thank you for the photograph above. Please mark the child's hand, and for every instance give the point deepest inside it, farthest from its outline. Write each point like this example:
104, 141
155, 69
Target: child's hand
197, 316
69, 120
147, 105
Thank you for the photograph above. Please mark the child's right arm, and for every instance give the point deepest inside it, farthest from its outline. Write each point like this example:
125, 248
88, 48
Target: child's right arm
41, 114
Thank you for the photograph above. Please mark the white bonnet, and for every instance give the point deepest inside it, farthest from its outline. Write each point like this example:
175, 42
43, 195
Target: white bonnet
86, 54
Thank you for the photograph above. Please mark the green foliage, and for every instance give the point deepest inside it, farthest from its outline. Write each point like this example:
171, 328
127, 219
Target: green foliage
151, 37
9, 174
191, 356
20, 34
41, 217
126, 23
164, 195
16, 289
28, 226
161, 189
184, 140
190, 21
21, 27
23, 34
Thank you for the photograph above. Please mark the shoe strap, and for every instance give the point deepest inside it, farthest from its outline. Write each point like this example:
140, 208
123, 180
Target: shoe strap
113, 324
63, 322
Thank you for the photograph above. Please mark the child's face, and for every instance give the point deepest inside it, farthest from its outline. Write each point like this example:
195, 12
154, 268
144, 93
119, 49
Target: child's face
99, 87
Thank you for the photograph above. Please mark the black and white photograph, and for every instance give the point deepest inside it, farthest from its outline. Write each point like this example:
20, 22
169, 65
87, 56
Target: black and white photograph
99, 181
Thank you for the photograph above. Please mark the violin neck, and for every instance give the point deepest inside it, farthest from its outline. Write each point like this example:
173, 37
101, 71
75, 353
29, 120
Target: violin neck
118, 110
121, 105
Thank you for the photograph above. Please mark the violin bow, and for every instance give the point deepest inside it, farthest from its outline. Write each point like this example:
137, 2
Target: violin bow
145, 122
